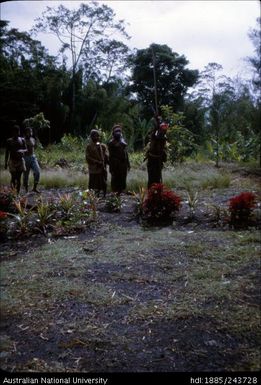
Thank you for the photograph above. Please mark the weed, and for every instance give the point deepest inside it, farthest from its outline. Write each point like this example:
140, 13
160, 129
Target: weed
113, 203
90, 201
219, 214
66, 202
44, 212
23, 214
192, 196
139, 198
61, 179
216, 181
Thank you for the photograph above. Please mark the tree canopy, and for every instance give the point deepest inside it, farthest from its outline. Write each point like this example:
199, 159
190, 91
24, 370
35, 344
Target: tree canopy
172, 77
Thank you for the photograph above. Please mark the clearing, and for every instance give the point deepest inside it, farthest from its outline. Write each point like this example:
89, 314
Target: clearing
120, 297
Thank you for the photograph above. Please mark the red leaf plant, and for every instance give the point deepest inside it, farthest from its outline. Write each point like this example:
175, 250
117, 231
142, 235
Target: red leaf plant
3, 215
3, 225
241, 208
160, 204
7, 197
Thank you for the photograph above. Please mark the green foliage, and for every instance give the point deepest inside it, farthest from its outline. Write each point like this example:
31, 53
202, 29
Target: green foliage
63, 178
140, 197
89, 200
136, 159
74, 210
89, 22
71, 143
56, 216
39, 124
192, 199
218, 214
255, 37
113, 203
173, 79
79, 31
30, 82
22, 215
243, 149
230, 129
216, 181
67, 202
44, 214
181, 140
70, 148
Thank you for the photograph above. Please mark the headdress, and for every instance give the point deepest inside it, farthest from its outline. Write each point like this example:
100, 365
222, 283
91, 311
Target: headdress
93, 132
116, 127
164, 126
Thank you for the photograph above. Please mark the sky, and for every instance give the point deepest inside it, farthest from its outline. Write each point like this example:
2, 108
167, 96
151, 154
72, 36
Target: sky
203, 31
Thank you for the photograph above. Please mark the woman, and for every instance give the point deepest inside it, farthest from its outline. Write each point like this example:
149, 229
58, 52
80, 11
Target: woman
97, 158
118, 160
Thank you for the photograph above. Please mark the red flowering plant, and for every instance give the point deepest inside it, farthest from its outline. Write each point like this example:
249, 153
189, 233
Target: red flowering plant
241, 209
3, 224
7, 197
160, 204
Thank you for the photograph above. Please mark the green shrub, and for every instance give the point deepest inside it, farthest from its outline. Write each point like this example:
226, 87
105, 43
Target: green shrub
216, 181
113, 203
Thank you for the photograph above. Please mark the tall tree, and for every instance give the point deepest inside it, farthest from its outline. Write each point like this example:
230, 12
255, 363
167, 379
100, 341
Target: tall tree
212, 90
255, 61
79, 31
229, 114
23, 61
160, 63
30, 82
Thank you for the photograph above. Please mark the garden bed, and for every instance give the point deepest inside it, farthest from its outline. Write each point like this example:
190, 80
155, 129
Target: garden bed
117, 296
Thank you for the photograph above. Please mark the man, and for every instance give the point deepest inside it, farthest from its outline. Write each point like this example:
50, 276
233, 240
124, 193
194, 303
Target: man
118, 160
156, 152
31, 162
14, 157
97, 158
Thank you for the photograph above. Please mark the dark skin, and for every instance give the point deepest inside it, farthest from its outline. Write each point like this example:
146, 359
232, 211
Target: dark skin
156, 154
100, 185
119, 161
15, 150
31, 144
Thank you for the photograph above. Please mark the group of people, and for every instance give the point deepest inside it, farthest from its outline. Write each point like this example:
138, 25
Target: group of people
20, 157
115, 155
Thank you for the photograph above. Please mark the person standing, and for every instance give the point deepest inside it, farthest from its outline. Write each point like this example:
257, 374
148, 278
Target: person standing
119, 163
31, 162
156, 152
96, 155
14, 157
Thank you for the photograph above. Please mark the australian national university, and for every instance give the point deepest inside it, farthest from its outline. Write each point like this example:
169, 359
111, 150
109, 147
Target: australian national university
55, 380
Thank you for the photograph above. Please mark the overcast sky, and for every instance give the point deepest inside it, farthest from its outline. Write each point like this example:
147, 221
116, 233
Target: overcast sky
204, 31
